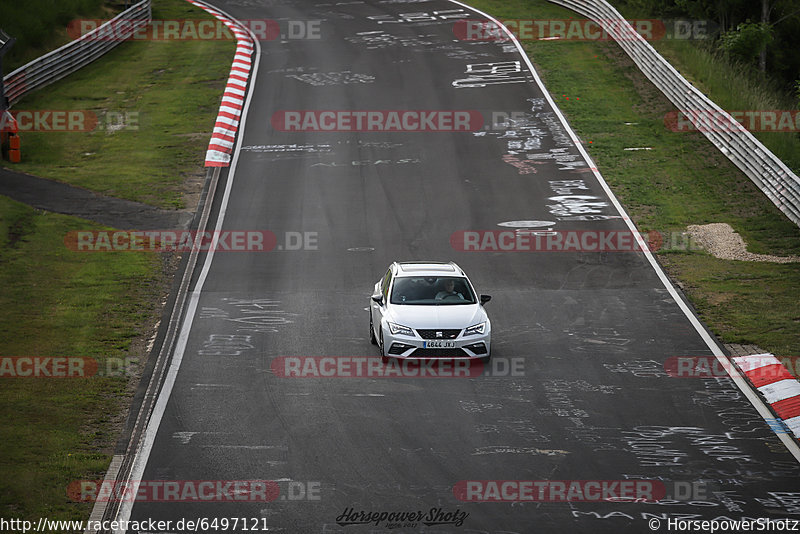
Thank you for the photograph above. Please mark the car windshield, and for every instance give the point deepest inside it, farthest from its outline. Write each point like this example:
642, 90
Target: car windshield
432, 290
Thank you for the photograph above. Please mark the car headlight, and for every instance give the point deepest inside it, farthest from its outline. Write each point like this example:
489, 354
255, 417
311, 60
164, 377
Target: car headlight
400, 329
479, 328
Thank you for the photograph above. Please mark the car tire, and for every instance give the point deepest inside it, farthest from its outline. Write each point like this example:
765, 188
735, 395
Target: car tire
372, 330
384, 357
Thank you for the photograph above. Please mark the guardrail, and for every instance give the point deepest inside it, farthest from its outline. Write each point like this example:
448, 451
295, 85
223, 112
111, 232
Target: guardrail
765, 169
72, 56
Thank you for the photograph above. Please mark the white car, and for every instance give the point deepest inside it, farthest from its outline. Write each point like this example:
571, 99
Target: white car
428, 310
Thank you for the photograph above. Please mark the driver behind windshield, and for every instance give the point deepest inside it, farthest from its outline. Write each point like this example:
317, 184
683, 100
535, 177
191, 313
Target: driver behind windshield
449, 291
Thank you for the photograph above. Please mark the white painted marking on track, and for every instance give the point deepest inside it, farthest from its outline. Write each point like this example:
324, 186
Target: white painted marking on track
527, 224
247, 447
185, 437
741, 383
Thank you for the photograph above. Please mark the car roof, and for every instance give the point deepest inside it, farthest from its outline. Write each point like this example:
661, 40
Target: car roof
427, 268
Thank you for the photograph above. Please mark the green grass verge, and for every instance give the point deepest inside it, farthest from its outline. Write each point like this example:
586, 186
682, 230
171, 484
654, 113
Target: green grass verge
169, 93
684, 180
56, 302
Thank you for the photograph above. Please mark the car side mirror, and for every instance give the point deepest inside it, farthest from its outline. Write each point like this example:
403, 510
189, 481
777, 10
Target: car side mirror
378, 298
485, 299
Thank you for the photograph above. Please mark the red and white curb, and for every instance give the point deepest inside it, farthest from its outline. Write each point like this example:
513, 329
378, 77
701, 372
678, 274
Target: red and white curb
230, 110
776, 384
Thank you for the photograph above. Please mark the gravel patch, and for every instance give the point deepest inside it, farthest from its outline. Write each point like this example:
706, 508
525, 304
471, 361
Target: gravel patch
722, 241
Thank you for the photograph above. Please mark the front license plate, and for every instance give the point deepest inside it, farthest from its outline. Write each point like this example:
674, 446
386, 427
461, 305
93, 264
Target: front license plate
439, 344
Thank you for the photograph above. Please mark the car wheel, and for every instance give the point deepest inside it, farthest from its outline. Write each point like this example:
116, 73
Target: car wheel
384, 357
372, 330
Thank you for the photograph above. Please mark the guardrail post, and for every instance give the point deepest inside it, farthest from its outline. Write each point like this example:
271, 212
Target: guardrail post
9, 137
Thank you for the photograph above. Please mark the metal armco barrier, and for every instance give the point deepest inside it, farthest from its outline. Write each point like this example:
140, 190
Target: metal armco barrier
72, 56
765, 169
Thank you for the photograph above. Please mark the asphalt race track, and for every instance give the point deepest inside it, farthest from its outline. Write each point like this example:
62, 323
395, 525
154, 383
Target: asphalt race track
587, 334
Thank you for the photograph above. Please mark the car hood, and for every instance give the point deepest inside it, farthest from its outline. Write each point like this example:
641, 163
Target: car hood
443, 316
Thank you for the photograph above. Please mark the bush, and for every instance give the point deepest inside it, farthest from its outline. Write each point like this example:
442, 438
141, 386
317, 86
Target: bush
747, 41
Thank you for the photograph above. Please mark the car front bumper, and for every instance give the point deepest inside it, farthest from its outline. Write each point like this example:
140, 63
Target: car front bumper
469, 347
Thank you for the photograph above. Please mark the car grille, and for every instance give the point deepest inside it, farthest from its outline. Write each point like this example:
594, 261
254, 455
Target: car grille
446, 334
438, 353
